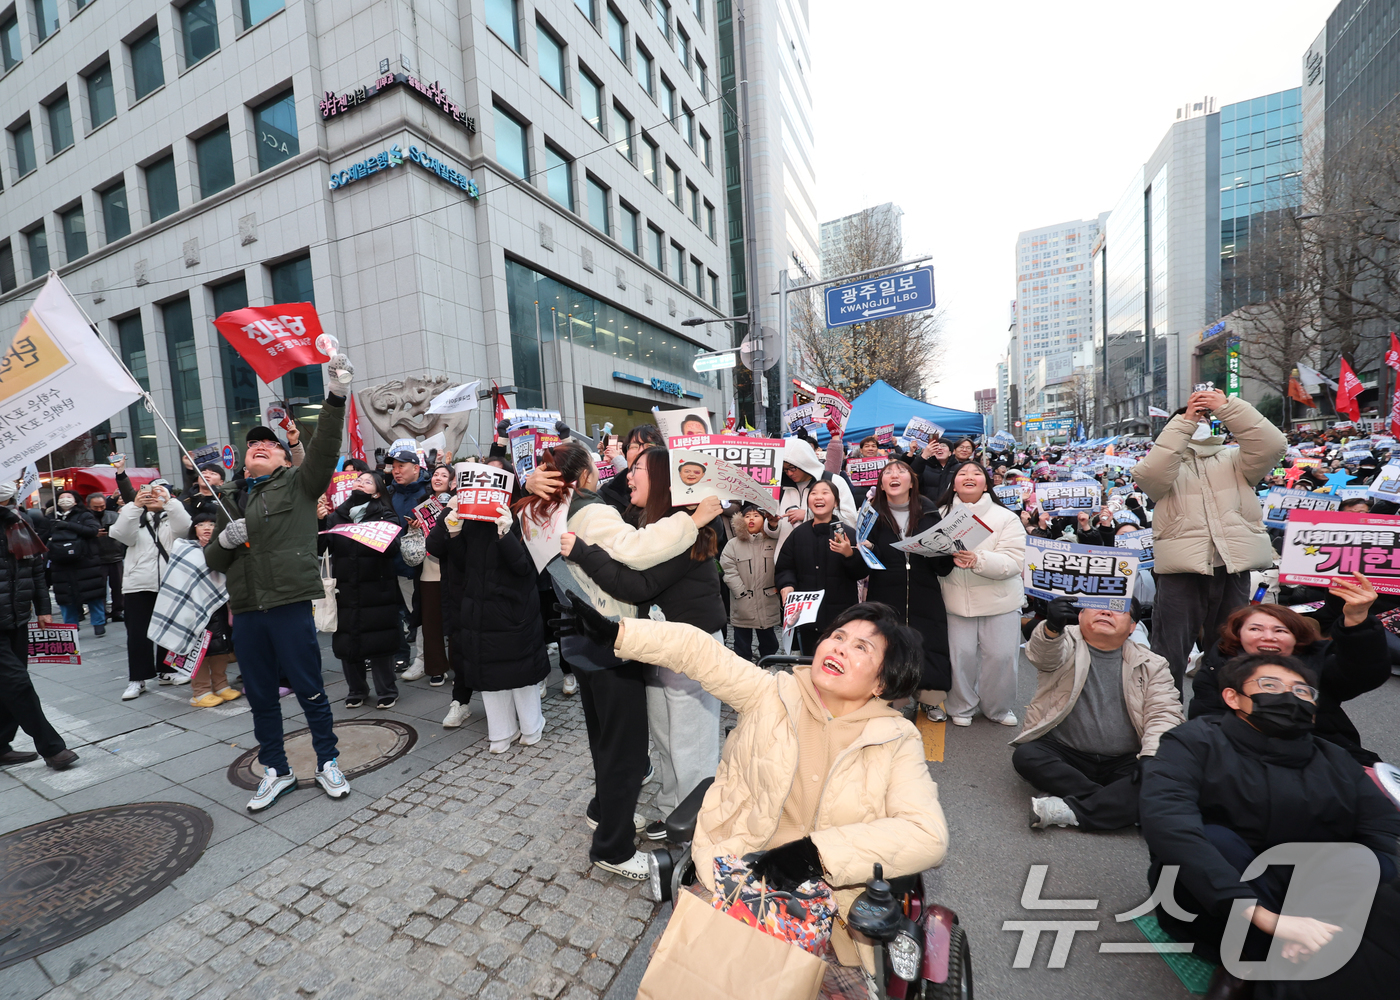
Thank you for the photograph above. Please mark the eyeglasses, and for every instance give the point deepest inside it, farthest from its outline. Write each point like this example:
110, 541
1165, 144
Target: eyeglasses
1273, 685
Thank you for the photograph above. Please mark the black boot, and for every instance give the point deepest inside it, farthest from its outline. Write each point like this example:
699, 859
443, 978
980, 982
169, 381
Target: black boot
1224, 986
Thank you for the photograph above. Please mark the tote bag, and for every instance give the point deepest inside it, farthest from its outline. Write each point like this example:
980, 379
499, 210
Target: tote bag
323, 609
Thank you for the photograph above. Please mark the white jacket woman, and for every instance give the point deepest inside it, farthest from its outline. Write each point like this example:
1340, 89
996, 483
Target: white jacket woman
150, 523
983, 596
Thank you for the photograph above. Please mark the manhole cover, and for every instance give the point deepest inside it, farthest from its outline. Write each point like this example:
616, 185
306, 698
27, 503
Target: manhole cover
364, 745
64, 877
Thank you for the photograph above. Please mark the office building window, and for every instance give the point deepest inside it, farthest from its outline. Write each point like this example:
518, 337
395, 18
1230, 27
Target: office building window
683, 47
512, 151
678, 263
102, 100
75, 243
199, 23
9, 41
214, 155
503, 17
590, 99
45, 18
705, 154
162, 195
22, 136
8, 281
630, 221
709, 220
116, 217
276, 125
644, 70
302, 387
622, 131
617, 35
688, 126
656, 247
598, 207
132, 342
147, 73
552, 65
38, 241
559, 177
694, 194
699, 7
702, 74
589, 8
674, 191
240, 382
699, 270
258, 11
714, 289
184, 372
651, 161
663, 17
668, 101
60, 115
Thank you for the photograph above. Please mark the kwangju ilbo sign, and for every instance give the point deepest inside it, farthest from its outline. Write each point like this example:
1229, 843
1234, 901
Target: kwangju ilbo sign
878, 298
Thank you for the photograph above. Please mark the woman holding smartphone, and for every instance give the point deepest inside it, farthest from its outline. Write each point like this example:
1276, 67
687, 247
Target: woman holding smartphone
148, 527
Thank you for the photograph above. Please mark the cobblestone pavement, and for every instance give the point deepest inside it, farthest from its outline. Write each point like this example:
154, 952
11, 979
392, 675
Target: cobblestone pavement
470, 879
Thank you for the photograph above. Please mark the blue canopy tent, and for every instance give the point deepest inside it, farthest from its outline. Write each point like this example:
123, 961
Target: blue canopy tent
883, 404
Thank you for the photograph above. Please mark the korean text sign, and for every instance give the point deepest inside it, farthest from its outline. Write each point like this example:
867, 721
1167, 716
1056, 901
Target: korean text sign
1058, 499
342, 485
801, 608
1281, 503
378, 535
921, 431
1014, 495
481, 489
865, 472
274, 339
696, 475
1139, 540
874, 298
761, 458
959, 531
1319, 545
54, 644
429, 511
1099, 577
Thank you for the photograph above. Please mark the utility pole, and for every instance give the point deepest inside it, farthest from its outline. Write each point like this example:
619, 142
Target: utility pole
755, 319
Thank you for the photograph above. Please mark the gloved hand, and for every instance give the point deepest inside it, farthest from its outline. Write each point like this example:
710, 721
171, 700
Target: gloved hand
341, 373
453, 522
785, 868
235, 533
579, 618
503, 522
1063, 611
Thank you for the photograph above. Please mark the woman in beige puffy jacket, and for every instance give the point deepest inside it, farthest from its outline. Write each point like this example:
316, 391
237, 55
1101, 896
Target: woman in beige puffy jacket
820, 773
983, 596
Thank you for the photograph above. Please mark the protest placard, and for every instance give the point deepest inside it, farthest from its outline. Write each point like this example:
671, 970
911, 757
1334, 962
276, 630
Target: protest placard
1345, 493
1280, 502
1386, 485
1058, 499
542, 536
54, 644
800, 608
806, 415
920, 431
835, 409
481, 489
884, 435
1014, 495
865, 472
188, 664
960, 530
680, 423
429, 511
1122, 491
761, 458
1098, 576
378, 535
527, 444
697, 474
342, 485
1141, 541
1320, 545
533, 418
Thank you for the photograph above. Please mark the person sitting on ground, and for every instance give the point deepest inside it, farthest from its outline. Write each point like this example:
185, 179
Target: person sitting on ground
1355, 660
1101, 705
876, 801
1222, 789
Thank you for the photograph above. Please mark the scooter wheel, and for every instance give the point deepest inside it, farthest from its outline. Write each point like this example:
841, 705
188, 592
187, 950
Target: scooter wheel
682, 874
958, 985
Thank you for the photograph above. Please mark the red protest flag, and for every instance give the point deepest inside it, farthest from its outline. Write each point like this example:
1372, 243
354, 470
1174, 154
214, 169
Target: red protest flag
1392, 356
352, 427
274, 339
1296, 391
1348, 388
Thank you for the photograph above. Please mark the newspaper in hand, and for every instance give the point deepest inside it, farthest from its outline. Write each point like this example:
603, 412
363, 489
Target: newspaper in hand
960, 530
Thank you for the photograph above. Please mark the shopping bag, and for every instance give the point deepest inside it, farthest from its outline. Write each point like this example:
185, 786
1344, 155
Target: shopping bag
323, 609
706, 955
802, 917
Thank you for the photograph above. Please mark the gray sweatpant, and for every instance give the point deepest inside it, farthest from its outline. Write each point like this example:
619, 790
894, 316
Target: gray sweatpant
983, 651
1189, 605
684, 721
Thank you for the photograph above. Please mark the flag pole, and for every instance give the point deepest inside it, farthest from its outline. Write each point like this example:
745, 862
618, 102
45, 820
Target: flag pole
145, 395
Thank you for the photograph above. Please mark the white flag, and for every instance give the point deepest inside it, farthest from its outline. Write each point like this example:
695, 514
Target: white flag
56, 381
1157, 411
1313, 377
30, 485
458, 399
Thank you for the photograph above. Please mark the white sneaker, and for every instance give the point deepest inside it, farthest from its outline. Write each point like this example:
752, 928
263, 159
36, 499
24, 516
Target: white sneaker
638, 821
501, 746
935, 713
182, 678
328, 776
414, 672
457, 714
1051, 810
272, 788
637, 867
960, 720
1009, 719
165, 679
133, 690
544, 687
531, 740
570, 684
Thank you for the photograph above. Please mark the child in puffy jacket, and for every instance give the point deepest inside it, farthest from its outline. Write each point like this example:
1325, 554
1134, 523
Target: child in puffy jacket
747, 562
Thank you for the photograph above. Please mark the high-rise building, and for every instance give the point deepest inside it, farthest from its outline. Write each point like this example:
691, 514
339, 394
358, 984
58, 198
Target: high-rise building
530, 193
1054, 300
783, 145
1361, 68
984, 400
1000, 422
838, 235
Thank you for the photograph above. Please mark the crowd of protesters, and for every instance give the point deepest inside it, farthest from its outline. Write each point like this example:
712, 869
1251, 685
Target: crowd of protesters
1191, 712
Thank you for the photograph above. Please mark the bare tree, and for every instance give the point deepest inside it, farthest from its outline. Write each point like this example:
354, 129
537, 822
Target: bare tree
905, 351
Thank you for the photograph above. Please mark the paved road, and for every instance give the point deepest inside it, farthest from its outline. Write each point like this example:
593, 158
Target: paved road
454, 873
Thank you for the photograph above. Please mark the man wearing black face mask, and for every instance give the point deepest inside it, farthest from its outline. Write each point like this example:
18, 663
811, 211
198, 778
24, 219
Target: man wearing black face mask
1223, 789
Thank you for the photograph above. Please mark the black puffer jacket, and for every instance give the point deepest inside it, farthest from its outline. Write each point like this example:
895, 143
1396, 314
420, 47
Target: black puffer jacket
685, 589
1355, 660
806, 563
909, 584
76, 580
490, 606
22, 584
367, 596
934, 479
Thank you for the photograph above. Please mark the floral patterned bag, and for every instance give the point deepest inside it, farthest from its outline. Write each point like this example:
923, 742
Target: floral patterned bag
802, 917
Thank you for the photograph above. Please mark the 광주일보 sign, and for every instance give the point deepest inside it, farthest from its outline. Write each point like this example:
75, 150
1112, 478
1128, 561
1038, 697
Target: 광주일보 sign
1320, 545
1099, 577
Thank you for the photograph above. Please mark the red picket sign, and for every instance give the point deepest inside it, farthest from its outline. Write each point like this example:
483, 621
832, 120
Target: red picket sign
274, 339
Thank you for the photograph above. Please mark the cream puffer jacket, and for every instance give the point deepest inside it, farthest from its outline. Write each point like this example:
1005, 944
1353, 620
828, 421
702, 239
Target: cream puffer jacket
598, 523
1153, 703
878, 802
993, 586
1205, 496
